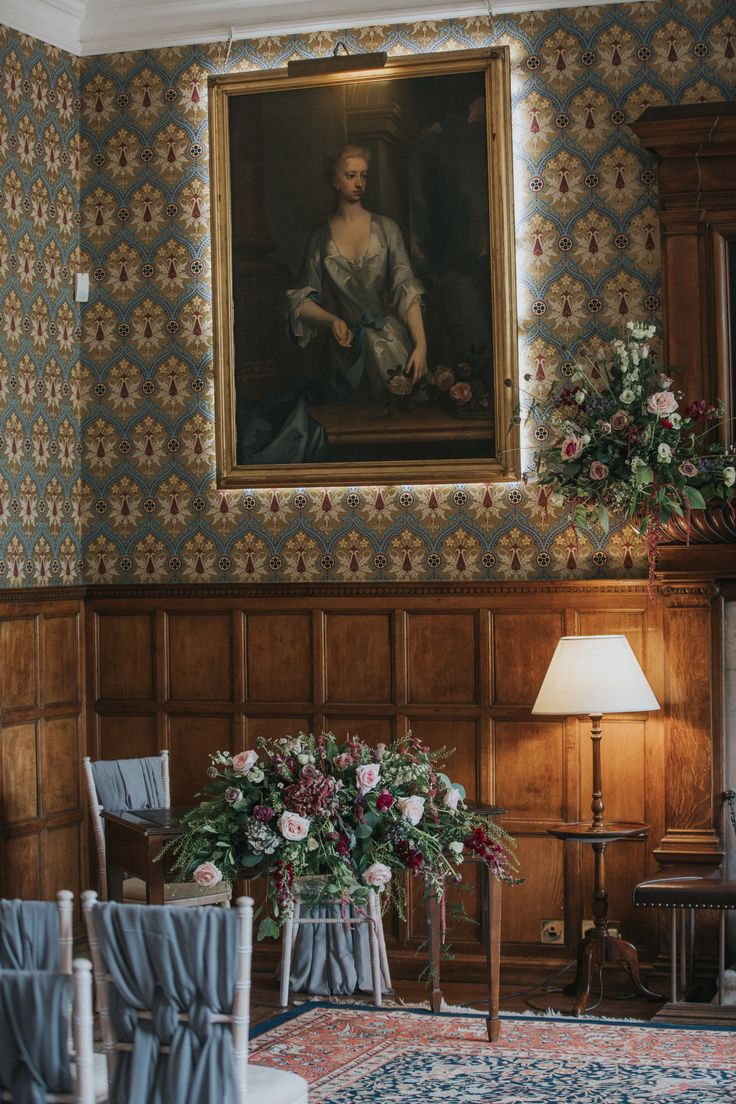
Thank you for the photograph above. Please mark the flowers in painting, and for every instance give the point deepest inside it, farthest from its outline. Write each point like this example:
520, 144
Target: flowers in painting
342, 815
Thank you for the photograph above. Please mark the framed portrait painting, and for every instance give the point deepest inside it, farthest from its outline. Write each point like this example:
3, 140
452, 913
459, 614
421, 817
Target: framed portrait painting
363, 271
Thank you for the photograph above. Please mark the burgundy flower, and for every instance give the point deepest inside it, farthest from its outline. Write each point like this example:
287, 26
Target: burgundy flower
665, 423
263, 813
384, 801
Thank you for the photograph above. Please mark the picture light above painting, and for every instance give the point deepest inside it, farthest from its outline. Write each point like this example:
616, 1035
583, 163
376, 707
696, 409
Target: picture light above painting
364, 283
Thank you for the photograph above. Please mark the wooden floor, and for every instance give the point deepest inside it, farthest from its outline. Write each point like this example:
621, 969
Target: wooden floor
618, 1000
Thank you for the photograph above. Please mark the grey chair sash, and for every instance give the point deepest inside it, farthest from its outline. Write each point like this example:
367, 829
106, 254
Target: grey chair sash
171, 962
129, 783
331, 958
34, 1034
29, 935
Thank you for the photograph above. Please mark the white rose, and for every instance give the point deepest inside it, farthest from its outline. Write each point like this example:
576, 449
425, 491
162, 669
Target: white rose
457, 847
303, 758
412, 808
664, 453
292, 826
256, 775
312, 844
452, 796
729, 476
580, 397
367, 776
627, 396
676, 420
377, 875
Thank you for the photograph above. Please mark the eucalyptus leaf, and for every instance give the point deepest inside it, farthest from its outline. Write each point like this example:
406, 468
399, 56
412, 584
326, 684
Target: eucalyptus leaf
268, 929
362, 831
694, 497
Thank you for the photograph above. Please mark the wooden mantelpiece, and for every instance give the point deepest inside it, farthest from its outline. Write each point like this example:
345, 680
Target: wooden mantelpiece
696, 146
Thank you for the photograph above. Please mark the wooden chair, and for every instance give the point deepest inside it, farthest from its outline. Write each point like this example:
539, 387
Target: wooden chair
205, 969
685, 892
183, 894
34, 946
44, 1042
376, 941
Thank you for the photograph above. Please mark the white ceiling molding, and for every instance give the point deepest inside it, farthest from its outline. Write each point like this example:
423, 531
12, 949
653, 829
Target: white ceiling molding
88, 27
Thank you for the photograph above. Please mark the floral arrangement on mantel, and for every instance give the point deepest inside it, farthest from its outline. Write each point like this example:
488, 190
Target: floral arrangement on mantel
620, 445
345, 816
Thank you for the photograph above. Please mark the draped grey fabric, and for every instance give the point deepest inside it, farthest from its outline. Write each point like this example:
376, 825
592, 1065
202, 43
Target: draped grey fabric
171, 961
129, 783
331, 958
34, 1034
29, 935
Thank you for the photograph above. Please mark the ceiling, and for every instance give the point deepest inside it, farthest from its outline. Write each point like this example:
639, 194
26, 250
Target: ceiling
86, 27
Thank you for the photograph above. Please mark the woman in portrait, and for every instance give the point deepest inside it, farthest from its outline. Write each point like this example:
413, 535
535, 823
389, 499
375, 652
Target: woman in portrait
358, 287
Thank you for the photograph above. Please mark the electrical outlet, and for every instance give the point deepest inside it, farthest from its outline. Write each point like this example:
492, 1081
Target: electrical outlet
614, 927
552, 931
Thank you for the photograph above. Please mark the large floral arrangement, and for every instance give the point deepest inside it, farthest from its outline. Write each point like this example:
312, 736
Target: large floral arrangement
347, 813
619, 443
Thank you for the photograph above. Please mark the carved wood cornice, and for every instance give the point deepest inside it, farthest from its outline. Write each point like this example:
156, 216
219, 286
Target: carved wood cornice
43, 594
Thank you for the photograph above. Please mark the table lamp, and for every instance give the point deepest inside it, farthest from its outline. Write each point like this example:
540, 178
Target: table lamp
594, 675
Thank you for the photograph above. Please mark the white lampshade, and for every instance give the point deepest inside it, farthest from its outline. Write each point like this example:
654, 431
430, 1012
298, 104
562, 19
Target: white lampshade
594, 674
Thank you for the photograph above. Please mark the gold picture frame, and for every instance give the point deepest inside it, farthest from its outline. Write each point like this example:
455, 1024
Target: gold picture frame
437, 131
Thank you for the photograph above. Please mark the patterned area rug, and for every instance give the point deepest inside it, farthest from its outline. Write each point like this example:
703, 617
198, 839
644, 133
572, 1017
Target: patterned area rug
356, 1055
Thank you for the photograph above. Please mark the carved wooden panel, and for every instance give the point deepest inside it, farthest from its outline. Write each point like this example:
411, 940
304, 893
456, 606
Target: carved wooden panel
59, 652
191, 738
42, 832
125, 736
279, 657
461, 669
200, 659
127, 659
19, 668
442, 658
523, 644
358, 657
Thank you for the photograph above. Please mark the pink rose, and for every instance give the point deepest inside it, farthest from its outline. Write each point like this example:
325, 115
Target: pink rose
452, 796
292, 826
232, 793
620, 420
343, 761
460, 393
377, 875
443, 378
399, 385
662, 402
598, 470
367, 776
207, 875
412, 808
244, 760
570, 447
687, 469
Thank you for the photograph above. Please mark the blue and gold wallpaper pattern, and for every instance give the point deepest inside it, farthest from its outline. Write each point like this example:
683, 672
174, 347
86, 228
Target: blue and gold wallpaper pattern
40, 383
108, 467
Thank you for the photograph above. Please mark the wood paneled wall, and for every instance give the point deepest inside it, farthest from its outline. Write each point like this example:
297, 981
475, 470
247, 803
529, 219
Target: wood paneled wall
41, 744
204, 670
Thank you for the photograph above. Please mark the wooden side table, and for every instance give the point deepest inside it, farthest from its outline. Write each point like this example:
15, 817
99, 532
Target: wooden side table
601, 945
490, 927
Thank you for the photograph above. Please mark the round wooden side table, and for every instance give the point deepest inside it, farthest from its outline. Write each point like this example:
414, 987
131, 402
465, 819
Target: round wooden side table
599, 944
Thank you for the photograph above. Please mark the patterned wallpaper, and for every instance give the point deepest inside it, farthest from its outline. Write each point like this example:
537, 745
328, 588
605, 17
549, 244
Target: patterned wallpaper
40, 462
587, 257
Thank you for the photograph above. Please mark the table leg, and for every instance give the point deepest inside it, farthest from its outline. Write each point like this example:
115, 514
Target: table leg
434, 939
155, 881
491, 907
115, 879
